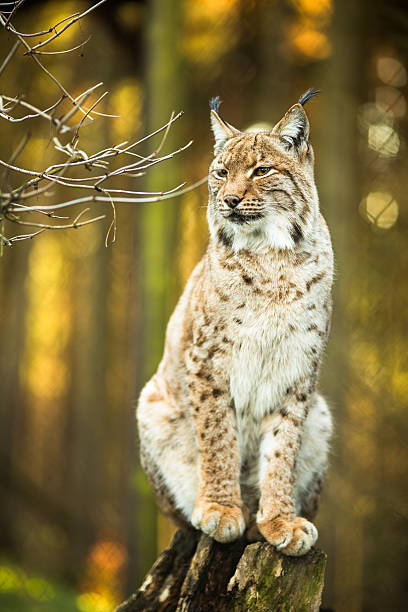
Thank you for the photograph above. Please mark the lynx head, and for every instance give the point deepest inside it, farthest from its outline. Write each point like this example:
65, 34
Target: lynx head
261, 186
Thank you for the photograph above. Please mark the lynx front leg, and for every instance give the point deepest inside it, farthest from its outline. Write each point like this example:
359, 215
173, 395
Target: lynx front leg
218, 510
281, 439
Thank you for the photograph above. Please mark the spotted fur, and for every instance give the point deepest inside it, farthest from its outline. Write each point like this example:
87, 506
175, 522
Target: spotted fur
232, 429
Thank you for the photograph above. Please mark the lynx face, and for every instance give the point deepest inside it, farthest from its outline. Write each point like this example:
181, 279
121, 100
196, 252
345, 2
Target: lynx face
261, 184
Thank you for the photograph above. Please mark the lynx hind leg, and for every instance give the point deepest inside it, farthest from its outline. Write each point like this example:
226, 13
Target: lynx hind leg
165, 500
313, 458
168, 452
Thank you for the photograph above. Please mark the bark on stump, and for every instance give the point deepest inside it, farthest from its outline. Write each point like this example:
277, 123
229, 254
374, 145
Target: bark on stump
198, 574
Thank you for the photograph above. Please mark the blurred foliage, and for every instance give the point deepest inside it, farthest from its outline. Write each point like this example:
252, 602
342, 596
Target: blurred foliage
23, 592
82, 326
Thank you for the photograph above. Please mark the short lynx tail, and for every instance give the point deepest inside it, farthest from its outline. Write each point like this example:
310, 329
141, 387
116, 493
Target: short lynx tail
310, 93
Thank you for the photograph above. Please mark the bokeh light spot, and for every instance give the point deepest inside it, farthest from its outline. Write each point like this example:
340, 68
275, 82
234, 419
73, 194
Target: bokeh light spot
39, 589
383, 139
391, 71
315, 8
309, 42
210, 31
380, 209
126, 100
93, 602
261, 126
390, 101
130, 15
9, 580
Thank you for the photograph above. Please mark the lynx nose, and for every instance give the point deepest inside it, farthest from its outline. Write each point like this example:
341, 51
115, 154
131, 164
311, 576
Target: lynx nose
232, 200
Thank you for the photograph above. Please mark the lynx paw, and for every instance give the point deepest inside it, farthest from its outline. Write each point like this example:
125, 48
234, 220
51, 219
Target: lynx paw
223, 523
294, 538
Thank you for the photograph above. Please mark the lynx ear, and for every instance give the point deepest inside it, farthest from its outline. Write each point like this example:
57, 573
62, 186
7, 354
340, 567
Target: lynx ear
293, 128
222, 130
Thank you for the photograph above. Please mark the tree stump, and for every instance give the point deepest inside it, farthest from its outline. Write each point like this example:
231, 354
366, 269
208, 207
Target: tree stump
196, 573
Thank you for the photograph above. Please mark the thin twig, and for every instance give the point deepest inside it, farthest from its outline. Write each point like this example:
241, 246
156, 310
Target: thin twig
18, 4
73, 225
20, 147
75, 137
82, 44
25, 236
9, 56
66, 26
43, 32
37, 112
118, 199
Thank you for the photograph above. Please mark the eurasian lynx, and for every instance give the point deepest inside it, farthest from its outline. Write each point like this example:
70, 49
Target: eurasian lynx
232, 431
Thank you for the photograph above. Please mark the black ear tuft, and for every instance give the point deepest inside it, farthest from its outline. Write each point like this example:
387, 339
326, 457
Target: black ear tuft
215, 103
310, 93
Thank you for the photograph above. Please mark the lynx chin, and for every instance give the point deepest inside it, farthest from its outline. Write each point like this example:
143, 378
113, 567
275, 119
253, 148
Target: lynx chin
233, 433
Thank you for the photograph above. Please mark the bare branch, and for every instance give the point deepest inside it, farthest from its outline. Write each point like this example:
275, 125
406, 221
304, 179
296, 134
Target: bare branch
6, 25
66, 26
37, 112
43, 32
17, 5
9, 57
79, 169
15, 154
73, 225
117, 199
22, 237
75, 137
11, 167
82, 44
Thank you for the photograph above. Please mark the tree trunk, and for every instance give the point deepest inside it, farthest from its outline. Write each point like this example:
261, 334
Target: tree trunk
198, 574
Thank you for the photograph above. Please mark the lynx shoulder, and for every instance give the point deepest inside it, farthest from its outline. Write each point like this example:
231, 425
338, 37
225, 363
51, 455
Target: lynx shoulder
233, 434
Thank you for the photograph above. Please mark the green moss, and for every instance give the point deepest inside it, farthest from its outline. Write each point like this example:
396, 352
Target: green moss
283, 583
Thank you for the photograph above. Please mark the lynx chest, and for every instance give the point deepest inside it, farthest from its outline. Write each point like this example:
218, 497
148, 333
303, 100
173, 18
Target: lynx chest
270, 352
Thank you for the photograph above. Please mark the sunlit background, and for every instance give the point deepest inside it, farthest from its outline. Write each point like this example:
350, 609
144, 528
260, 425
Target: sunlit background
82, 325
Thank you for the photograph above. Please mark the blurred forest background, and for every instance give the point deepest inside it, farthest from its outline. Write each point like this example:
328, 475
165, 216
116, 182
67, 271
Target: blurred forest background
82, 326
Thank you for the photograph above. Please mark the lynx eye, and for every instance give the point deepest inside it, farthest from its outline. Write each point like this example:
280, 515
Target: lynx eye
220, 173
262, 170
